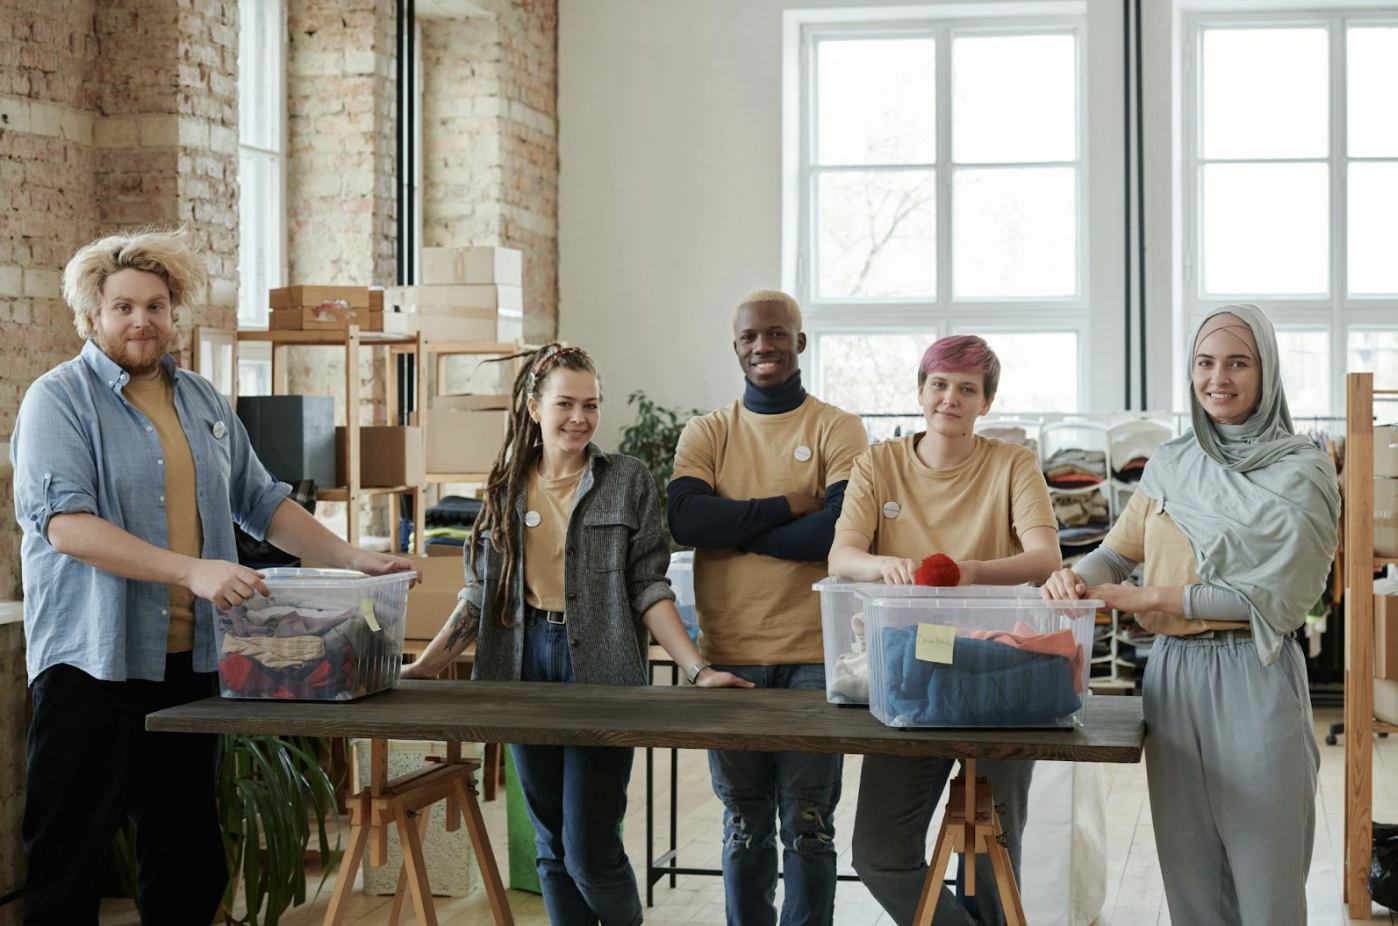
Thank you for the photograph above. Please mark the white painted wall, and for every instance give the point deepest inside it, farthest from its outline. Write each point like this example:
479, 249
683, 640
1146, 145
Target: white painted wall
670, 199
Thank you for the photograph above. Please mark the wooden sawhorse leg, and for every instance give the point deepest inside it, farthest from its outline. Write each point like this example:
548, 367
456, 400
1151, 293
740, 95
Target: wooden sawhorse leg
404, 802
971, 826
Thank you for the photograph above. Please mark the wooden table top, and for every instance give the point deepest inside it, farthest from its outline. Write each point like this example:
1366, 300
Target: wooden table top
660, 715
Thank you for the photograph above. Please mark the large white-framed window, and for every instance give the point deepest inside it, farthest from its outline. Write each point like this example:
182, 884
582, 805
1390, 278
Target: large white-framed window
261, 156
942, 175
1291, 183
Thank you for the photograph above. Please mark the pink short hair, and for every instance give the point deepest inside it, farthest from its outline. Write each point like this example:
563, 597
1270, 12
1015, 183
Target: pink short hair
960, 353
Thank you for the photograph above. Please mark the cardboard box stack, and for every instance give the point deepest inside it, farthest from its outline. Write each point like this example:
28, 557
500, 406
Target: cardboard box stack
466, 294
464, 432
325, 307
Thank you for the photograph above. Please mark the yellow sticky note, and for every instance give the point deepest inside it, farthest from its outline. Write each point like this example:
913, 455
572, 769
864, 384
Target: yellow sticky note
366, 611
934, 643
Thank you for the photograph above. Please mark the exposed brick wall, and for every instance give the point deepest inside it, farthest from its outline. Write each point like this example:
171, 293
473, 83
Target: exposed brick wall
490, 119
111, 116
340, 135
341, 170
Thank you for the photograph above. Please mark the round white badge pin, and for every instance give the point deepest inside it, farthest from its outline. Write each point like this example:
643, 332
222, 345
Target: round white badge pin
803, 453
532, 519
220, 429
891, 509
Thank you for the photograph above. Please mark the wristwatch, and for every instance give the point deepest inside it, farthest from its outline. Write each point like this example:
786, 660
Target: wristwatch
695, 669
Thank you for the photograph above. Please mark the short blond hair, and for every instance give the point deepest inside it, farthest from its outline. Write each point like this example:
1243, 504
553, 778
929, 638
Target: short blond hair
162, 251
793, 311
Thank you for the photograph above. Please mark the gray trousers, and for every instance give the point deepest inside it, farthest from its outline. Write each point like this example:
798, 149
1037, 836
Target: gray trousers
1231, 762
897, 797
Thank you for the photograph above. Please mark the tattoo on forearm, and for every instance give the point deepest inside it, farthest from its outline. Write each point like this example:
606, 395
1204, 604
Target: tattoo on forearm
464, 625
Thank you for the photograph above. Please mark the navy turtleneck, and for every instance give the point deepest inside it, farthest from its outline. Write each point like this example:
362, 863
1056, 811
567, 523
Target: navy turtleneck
784, 398
700, 517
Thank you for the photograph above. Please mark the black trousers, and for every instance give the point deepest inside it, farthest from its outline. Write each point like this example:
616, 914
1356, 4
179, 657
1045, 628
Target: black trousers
90, 760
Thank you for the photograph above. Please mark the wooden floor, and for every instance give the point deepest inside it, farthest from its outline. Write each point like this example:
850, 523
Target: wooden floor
1134, 896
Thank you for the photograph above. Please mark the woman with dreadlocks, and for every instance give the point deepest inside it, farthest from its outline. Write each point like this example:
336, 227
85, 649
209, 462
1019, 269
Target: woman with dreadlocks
565, 578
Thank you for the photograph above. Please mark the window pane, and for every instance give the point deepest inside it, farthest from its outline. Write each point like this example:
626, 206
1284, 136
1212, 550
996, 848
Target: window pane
1266, 229
877, 102
1305, 366
1373, 76
1015, 232
877, 233
259, 215
1014, 98
873, 374
1038, 370
257, 42
1373, 235
1265, 93
1375, 350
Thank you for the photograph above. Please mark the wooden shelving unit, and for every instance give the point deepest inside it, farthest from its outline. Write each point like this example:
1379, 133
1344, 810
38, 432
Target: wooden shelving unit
1360, 724
352, 340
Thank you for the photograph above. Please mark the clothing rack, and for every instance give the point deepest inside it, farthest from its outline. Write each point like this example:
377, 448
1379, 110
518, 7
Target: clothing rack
1360, 723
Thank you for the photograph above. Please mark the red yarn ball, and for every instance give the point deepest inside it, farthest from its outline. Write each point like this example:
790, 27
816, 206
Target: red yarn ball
938, 571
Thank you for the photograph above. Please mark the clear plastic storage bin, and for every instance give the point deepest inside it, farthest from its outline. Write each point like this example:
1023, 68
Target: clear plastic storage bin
681, 576
969, 661
323, 635
845, 631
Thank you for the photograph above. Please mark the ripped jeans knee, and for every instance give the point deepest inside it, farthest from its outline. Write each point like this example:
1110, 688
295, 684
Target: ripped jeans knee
747, 824
808, 826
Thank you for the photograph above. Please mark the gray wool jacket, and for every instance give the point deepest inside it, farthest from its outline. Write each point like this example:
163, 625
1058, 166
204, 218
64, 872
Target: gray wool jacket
615, 558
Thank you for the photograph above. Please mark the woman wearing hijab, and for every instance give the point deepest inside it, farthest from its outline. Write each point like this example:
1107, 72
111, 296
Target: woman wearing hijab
1236, 523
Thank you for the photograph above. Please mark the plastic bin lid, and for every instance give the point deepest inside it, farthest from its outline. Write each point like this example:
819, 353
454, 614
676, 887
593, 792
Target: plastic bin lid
1004, 602
868, 590
837, 584
330, 577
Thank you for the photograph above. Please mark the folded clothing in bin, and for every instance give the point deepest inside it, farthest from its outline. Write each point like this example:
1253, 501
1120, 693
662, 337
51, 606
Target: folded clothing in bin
294, 653
989, 683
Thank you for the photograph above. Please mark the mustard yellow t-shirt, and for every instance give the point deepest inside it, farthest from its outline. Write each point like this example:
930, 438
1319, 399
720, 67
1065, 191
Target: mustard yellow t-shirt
155, 398
552, 501
755, 609
976, 510
1148, 535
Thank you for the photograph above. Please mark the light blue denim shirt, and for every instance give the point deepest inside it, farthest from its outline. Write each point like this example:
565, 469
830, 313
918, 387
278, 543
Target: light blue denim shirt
80, 446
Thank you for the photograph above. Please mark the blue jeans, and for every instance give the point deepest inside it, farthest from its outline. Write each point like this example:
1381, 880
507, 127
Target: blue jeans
576, 796
758, 787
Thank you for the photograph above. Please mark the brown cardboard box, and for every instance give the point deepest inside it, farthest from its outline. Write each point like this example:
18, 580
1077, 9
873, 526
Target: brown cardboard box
1385, 516
1386, 450
388, 456
1386, 636
432, 600
464, 432
504, 266
445, 549
324, 318
311, 297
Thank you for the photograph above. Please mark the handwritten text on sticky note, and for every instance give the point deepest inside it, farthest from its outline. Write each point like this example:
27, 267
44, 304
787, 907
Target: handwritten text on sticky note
934, 643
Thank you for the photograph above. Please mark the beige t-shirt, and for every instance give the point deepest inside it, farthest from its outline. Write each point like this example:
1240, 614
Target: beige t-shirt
976, 510
552, 501
155, 398
1148, 535
755, 609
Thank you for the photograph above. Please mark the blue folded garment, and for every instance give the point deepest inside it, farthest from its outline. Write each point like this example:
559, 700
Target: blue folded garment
987, 684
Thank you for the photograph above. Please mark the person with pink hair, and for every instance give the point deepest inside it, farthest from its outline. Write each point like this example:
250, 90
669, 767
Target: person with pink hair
984, 504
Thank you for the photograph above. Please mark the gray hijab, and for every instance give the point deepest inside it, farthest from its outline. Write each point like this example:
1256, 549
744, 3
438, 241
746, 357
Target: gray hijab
1259, 505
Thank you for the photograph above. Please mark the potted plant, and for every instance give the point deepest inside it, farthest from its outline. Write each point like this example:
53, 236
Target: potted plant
265, 785
652, 439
